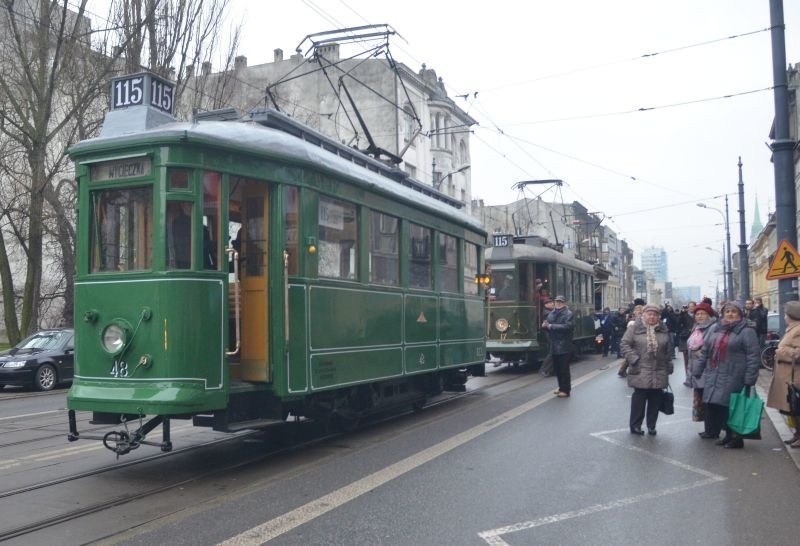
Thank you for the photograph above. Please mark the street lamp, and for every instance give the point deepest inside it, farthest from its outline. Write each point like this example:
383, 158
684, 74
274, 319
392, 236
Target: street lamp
724, 273
729, 273
438, 183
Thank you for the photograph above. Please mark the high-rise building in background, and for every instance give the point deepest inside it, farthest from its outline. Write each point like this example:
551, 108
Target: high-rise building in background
654, 260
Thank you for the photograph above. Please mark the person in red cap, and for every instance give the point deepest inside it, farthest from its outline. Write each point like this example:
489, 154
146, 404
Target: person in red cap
704, 317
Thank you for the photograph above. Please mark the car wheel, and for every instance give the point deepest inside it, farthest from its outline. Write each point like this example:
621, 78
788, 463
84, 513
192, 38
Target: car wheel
45, 378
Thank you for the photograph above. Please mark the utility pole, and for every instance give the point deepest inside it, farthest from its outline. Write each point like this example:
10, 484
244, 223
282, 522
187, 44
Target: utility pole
782, 152
731, 295
744, 262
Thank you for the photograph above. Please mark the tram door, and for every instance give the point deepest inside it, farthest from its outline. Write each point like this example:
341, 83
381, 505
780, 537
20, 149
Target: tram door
253, 277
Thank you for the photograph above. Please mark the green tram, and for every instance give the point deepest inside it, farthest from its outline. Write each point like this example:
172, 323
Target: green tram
523, 272
235, 273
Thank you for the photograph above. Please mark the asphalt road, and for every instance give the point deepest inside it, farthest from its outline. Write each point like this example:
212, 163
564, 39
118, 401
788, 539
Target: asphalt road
507, 464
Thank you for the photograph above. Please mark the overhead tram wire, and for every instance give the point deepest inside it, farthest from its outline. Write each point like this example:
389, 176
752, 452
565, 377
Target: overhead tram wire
644, 108
644, 56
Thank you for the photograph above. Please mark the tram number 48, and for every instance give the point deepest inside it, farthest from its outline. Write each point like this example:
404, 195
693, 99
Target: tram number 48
131, 92
119, 369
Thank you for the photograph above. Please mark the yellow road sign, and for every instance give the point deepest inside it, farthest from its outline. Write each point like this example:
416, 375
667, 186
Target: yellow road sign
785, 264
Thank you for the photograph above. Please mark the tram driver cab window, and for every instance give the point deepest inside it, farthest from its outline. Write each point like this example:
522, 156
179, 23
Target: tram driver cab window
179, 234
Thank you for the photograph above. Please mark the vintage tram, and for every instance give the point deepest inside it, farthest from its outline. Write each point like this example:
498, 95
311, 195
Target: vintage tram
236, 272
524, 273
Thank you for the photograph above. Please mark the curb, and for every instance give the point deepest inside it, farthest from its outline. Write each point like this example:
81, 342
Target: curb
762, 387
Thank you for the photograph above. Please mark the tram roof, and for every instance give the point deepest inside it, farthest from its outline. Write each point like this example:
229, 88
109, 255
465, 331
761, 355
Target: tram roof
277, 144
536, 253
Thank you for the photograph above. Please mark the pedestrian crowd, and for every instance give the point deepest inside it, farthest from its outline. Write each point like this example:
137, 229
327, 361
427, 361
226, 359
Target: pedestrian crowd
720, 349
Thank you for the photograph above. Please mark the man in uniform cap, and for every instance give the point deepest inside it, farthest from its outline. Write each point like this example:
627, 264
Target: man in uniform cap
559, 325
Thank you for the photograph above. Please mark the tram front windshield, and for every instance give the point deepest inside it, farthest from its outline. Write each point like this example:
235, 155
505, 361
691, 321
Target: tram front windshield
504, 285
121, 230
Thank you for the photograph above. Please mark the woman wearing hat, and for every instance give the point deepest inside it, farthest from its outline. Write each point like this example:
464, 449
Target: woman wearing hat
728, 362
704, 317
788, 349
647, 349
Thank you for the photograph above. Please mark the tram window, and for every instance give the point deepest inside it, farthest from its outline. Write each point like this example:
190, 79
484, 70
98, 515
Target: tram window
470, 268
338, 239
419, 270
290, 226
448, 268
211, 220
524, 282
179, 234
384, 254
503, 285
121, 230
178, 179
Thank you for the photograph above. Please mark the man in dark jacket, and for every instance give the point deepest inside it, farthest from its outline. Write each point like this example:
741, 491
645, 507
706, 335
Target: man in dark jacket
757, 314
620, 321
559, 325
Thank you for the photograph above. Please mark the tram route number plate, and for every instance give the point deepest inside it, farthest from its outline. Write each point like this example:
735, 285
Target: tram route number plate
142, 89
502, 240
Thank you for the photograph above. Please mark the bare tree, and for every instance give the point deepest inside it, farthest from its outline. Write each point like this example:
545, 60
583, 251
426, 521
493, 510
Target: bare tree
49, 77
54, 72
181, 34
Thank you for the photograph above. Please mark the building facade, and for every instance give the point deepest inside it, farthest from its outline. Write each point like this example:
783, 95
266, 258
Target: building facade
654, 260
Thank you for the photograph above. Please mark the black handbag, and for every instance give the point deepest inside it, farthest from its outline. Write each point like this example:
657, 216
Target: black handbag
667, 406
793, 394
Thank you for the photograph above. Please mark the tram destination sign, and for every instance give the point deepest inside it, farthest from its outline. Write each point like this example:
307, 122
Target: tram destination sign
121, 169
142, 89
502, 239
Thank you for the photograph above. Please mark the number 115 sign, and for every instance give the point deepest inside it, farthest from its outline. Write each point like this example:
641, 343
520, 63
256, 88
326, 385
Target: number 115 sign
142, 89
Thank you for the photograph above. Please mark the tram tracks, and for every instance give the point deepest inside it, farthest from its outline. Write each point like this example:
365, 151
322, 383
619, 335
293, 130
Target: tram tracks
297, 436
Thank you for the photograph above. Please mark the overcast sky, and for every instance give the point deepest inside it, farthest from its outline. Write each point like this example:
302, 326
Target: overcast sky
559, 86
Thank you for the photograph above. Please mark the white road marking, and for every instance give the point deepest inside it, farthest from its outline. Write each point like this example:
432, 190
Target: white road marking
318, 507
493, 536
29, 415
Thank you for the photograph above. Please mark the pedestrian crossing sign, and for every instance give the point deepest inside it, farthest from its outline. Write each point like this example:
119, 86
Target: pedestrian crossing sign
785, 264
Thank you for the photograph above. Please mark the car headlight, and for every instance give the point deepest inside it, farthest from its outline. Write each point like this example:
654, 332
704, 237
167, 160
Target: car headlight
14, 363
114, 338
501, 324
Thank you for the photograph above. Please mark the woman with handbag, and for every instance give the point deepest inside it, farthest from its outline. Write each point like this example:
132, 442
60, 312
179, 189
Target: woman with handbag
704, 317
727, 363
648, 351
788, 350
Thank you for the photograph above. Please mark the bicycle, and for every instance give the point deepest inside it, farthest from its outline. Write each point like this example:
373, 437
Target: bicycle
768, 356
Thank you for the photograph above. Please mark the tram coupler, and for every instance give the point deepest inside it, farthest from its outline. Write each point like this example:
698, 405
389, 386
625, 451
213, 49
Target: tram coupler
73, 435
122, 442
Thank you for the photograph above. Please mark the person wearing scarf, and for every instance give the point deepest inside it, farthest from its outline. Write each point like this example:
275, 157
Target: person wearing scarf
728, 362
704, 318
647, 349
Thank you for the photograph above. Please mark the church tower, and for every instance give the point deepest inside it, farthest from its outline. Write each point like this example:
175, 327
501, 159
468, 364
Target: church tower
756, 226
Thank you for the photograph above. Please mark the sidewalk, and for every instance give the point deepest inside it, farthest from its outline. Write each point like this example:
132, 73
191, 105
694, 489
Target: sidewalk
762, 387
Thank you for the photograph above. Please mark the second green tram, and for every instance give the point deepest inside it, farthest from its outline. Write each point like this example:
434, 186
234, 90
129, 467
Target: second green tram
524, 272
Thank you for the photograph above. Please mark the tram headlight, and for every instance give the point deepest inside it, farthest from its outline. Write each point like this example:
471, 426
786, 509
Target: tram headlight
115, 337
501, 324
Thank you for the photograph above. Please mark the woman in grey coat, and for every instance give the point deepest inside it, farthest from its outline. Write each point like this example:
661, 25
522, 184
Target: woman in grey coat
728, 362
647, 349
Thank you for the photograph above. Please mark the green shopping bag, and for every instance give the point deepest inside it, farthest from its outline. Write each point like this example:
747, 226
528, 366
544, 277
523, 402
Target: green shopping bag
744, 412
